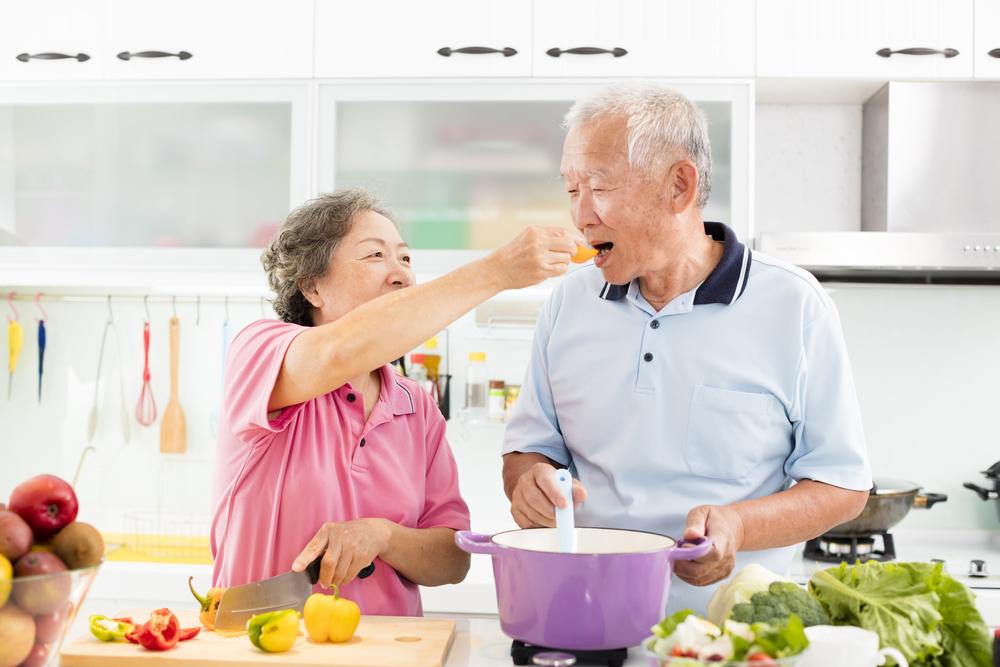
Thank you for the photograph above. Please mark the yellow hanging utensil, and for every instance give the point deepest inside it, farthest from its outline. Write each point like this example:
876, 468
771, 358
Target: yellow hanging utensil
15, 339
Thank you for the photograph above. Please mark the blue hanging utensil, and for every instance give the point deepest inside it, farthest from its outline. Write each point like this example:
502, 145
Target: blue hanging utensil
41, 342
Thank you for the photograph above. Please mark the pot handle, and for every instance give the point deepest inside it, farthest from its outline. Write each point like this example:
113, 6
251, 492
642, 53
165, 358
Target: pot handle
927, 500
690, 549
475, 543
985, 494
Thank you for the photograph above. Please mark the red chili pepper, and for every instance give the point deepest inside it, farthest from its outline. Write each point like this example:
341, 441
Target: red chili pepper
161, 632
189, 633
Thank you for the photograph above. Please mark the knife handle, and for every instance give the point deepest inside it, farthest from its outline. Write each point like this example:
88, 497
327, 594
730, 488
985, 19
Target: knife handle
313, 570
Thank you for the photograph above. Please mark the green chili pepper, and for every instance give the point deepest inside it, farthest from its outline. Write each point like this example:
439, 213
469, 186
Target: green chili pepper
109, 629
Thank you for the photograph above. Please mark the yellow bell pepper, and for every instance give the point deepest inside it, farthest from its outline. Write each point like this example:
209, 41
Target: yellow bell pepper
6, 575
209, 604
275, 631
331, 617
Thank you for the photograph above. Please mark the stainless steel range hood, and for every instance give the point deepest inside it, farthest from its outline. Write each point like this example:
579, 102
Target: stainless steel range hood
930, 192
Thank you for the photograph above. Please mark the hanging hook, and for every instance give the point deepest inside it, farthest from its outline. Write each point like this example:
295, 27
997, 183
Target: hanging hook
111, 315
227, 308
145, 304
40, 307
197, 311
10, 304
173, 304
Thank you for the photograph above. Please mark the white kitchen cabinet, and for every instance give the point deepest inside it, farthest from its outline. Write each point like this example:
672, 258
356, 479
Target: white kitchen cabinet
51, 40
466, 166
432, 38
676, 38
987, 60
819, 38
146, 166
221, 39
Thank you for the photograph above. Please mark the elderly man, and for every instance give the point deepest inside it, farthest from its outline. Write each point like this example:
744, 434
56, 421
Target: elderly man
692, 387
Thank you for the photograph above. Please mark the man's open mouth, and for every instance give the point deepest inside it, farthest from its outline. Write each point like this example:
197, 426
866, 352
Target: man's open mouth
603, 248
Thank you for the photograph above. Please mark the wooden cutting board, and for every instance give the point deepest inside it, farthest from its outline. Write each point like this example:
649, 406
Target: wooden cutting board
380, 641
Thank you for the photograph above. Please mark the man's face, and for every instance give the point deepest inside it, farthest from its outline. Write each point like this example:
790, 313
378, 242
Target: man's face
621, 211
371, 260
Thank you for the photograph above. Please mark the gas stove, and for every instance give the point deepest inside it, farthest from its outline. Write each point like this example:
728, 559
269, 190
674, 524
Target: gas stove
851, 548
529, 654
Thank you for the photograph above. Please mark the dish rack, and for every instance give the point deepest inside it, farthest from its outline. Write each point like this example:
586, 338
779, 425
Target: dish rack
165, 538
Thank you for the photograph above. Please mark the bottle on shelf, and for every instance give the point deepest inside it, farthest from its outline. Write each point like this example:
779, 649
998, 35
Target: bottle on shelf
496, 402
476, 386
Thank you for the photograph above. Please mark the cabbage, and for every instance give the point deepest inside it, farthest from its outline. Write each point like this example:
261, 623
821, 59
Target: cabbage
751, 579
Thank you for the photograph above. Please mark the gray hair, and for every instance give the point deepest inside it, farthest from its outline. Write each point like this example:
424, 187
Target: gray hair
300, 252
660, 123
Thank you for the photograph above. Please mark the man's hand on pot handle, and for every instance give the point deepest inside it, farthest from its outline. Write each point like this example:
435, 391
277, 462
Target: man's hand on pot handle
724, 525
533, 502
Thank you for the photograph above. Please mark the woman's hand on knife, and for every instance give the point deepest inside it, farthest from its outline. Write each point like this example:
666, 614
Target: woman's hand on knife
347, 548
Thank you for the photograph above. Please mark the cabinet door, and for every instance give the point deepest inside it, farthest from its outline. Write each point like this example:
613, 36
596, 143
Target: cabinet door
643, 38
51, 40
883, 39
149, 166
190, 39
439, 38
988, 39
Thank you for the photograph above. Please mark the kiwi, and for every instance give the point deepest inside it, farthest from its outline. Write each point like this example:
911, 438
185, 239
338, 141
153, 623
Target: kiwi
79, 545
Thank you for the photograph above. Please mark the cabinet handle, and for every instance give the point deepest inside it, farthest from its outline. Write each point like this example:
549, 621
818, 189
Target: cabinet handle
617, 52
995, 53
25, 57
918, 51
476, 50
180, 55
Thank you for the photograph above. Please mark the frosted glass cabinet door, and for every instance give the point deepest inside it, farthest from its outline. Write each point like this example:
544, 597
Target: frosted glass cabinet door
209, 39
466, 174
440, 38
188, 174
675, 38
47, 40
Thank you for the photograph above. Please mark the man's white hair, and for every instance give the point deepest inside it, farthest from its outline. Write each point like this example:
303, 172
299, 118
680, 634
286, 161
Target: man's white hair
662, 125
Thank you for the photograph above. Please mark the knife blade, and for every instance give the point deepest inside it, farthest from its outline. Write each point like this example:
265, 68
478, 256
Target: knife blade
285, 591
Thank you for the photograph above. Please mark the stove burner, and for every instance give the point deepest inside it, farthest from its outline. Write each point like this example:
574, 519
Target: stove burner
850, 548
522, 654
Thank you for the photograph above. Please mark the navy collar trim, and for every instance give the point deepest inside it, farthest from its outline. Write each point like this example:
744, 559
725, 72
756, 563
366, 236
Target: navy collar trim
728, 279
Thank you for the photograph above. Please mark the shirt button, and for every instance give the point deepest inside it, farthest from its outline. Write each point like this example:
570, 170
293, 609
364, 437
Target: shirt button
350, 398
648, 356
362, 442
655, 324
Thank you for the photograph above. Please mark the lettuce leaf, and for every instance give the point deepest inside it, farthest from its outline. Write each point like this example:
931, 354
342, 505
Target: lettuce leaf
914, 607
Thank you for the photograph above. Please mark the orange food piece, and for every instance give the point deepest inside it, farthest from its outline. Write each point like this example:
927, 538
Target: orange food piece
583, 253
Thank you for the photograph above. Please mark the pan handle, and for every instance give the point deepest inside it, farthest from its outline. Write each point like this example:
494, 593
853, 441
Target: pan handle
927, 500
690, 549
475, 543
985, 494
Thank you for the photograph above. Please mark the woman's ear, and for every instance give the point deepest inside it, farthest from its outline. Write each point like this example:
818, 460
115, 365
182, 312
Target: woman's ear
312, 295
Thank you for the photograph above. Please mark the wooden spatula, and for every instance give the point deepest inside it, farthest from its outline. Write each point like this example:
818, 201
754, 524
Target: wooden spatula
173, 430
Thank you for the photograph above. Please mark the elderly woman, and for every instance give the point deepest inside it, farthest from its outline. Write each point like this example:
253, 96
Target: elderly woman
323, 449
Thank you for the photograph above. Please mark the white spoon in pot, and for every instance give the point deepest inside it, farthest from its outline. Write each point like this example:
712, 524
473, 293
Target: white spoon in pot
565, 524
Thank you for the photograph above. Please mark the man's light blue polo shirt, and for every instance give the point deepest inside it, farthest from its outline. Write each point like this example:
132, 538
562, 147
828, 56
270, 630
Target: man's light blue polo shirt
729, 392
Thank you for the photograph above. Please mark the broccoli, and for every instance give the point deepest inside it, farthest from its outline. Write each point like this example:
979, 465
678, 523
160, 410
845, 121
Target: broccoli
781, 599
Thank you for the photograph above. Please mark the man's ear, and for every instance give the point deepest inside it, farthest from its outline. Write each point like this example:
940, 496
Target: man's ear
682, 182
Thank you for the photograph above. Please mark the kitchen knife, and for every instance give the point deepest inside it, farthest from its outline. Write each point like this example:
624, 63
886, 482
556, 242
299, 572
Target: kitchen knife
285, 591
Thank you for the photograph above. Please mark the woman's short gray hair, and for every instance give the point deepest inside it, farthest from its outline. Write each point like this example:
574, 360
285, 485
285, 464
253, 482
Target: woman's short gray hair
300, 252
661, 123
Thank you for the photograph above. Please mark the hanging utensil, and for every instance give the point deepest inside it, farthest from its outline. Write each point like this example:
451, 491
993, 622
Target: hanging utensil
15, 339
92, 421
145, 409
41, 342
173, 430
123, 414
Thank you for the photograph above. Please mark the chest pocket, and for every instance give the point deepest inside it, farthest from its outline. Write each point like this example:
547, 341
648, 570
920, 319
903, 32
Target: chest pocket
730, 432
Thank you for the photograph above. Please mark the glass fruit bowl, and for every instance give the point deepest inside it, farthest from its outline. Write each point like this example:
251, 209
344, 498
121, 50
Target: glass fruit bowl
37, 611
655, 660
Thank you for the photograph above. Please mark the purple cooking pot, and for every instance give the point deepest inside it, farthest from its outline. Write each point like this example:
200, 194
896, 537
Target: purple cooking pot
606, 594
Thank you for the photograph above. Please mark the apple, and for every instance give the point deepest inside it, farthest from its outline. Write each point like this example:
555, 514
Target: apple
44, 594
46, 503
48, 627
15, 536
17, 635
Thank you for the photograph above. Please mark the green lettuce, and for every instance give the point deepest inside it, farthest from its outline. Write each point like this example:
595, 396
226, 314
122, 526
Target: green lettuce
914, 607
